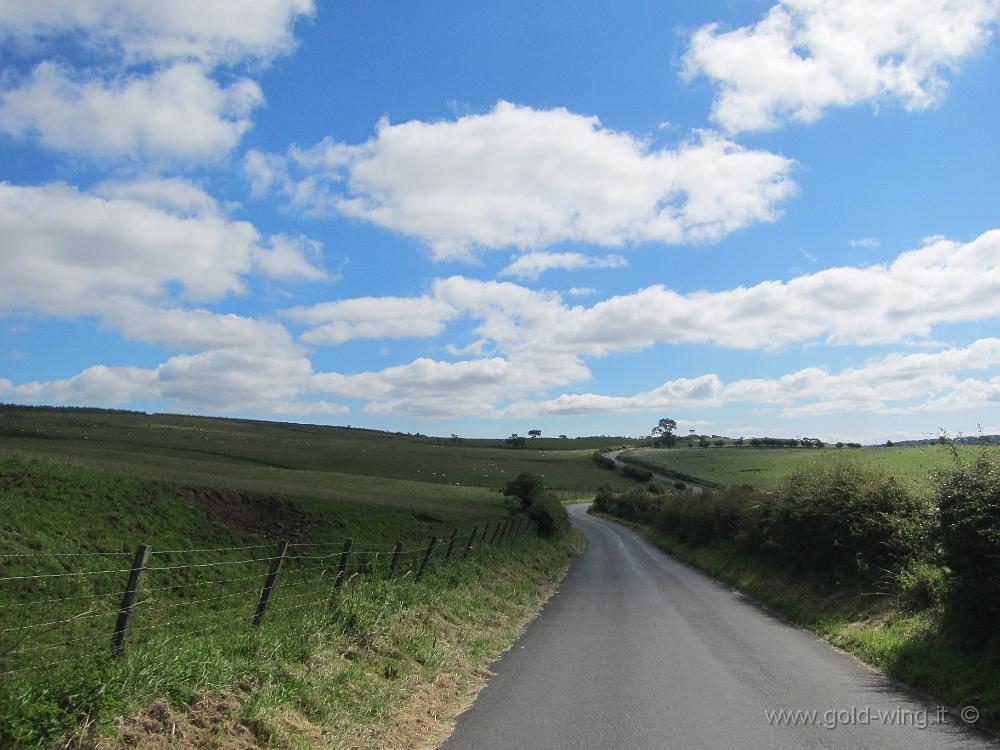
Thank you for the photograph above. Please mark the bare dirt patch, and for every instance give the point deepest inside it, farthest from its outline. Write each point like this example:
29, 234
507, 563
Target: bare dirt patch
257, 515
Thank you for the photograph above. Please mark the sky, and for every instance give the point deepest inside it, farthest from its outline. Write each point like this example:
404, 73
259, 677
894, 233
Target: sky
484, 218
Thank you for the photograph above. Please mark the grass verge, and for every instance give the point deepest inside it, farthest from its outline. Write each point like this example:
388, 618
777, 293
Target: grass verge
910, 646
389, 664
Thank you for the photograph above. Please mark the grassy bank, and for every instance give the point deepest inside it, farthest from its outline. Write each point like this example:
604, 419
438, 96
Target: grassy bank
387, 664
80, 490
873, 626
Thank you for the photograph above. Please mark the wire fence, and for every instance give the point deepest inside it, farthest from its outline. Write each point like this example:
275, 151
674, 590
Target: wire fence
60, 607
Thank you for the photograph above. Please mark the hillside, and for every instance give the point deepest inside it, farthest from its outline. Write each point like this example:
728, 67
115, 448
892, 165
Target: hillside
212, 498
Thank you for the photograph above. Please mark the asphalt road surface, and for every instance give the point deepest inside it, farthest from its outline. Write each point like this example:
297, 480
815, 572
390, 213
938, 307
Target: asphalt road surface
636, 651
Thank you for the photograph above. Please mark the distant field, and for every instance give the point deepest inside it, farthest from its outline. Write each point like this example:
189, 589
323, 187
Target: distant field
765, 467
295, 459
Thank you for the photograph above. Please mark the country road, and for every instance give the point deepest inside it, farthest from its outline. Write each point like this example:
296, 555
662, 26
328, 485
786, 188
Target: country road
691, 486
637, 651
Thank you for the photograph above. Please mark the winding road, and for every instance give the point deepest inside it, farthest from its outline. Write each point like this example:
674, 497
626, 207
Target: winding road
669, 481
638, 651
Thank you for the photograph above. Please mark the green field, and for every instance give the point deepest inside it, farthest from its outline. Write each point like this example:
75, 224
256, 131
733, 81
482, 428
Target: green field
327, 462
80, 489
766, 467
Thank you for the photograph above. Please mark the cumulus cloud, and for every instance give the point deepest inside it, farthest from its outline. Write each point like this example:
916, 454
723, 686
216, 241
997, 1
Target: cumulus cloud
942, 282
806, 56
373, 317
529, 178
178, 111
222, 381
220, 31
893, 384
149, 91
533, 265
133, 254
539, 342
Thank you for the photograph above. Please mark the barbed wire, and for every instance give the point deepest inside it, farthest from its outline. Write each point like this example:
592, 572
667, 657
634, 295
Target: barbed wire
208, 549
64, 554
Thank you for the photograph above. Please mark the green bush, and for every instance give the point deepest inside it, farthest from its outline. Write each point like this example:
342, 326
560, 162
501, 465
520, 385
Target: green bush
603, 461
528, 488
969, 504
634, 472
922, 584
845, 520
550, 515
702, 519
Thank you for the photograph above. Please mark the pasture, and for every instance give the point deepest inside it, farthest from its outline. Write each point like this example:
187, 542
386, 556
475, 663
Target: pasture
764, 468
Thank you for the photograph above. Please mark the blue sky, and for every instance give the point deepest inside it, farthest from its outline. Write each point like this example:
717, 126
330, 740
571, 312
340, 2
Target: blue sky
478, 218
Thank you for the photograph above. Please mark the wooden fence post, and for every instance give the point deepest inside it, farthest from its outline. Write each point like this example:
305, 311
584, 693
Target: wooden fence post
139, 563
345, 556
451, 545
427, 557
272, 578
468, 546
397, 550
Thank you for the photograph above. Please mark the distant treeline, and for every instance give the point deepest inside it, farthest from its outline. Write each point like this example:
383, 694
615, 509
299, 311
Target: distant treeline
70, 409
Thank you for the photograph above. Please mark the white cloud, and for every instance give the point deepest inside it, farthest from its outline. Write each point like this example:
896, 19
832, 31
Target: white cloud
222, 381
216, 32
176, 111
290, 258
149, 90
198, 330
538, 342
581, 291
866, 242
133, 253
527, 178
533, 265
373, 317
806, 56
888, 385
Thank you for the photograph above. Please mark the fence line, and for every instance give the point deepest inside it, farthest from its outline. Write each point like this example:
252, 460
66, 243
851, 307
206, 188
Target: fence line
161, 602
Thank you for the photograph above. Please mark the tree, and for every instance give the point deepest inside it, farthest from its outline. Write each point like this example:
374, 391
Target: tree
527, 488
534, 433
455, 439
564, 437
515, 441
664, 432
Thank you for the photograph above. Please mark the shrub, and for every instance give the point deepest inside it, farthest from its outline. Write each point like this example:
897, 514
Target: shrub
549, 514
603, 461
604, 499
922, 584
969, 503
634, 472
703, 519
843, 519
528, 488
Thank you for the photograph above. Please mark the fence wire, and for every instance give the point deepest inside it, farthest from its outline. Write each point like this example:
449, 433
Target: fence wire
52, 617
